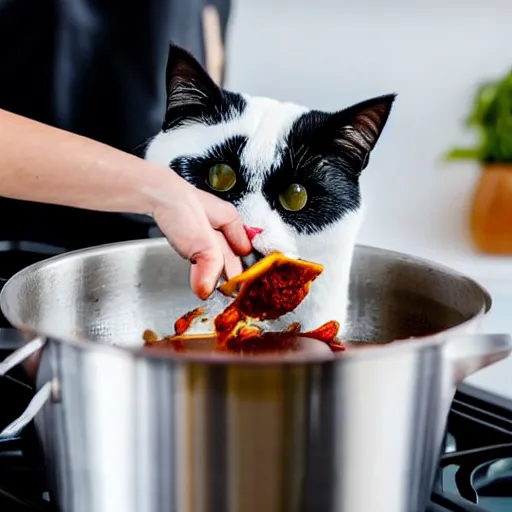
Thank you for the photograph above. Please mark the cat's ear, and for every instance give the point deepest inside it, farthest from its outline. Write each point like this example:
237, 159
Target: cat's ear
359, 127
191, 93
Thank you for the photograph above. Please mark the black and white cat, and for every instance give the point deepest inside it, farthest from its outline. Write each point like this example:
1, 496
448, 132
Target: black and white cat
292, 173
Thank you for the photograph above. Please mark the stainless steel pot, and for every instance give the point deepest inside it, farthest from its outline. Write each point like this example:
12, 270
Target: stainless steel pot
124, 429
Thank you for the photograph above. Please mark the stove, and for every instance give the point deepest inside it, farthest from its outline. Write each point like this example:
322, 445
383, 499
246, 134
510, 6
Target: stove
475, 469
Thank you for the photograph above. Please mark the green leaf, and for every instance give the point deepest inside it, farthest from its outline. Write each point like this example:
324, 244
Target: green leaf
491, 117
483, 104
463, 154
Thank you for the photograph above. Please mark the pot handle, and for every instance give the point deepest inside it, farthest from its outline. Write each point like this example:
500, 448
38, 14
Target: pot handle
470, 353
39, 399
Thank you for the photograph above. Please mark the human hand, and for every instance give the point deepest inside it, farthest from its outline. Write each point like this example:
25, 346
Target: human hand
202, 228
83, 173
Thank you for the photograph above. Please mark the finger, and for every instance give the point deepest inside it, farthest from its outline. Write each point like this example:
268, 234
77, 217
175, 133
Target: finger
190, 233
232, 263
224, 217
205, 272
236, 236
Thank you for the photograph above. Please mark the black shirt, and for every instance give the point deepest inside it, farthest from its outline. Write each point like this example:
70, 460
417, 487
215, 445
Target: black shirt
96, 68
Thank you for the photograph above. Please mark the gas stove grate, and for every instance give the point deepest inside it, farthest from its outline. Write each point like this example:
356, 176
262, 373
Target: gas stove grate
474, 475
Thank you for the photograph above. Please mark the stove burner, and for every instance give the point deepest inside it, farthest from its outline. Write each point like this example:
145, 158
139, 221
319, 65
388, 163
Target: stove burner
474, 476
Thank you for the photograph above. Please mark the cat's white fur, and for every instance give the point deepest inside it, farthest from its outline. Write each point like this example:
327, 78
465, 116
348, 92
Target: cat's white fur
266, 123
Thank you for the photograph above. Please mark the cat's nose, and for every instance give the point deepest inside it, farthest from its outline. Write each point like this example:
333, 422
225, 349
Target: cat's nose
252, 232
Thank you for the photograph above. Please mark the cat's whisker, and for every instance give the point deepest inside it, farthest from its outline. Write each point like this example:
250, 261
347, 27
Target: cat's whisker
291, 158
303, 152
310, 159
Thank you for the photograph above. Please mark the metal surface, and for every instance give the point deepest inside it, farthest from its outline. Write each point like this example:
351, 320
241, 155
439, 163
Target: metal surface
135, 431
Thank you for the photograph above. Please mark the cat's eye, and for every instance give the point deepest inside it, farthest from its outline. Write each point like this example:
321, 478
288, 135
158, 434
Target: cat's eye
294, 198
221, 177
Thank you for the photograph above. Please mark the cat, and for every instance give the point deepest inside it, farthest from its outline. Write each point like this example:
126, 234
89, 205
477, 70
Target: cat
292, 173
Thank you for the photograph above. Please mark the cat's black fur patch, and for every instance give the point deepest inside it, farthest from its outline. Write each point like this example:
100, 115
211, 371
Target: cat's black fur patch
193, 96
195, 169
310, 159
327, 160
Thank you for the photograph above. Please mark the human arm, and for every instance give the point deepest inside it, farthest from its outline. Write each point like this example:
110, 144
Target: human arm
44, 164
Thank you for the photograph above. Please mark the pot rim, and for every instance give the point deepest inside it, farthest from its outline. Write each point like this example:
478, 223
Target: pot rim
371, 350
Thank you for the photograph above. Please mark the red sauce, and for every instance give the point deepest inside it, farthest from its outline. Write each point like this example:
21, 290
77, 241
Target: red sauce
273, 287
293, 328
183, 323
267, 342
327, 333
226, 323
275, 293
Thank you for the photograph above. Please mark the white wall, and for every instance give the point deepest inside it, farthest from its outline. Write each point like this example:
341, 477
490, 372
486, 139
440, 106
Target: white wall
327, 54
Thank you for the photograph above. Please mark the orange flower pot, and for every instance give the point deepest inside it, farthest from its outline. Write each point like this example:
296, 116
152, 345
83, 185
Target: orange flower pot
491, 214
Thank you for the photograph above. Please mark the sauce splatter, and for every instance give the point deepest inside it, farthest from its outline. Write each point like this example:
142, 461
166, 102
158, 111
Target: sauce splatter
150, 336
327, 333
183, 323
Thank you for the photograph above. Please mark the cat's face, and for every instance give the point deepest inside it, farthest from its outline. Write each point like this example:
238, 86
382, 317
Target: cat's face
292, 173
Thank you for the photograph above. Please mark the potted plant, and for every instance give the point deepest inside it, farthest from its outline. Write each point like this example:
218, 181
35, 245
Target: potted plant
491, 214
